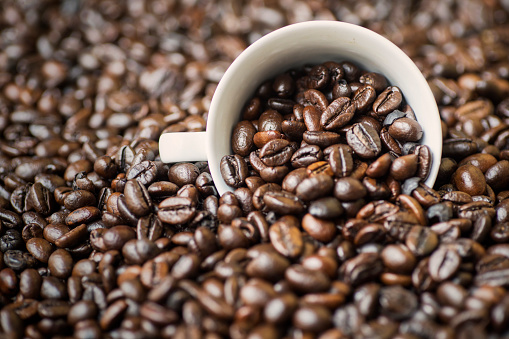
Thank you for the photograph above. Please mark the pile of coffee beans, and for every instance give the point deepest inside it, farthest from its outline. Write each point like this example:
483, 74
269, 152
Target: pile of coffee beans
100, 239
324, 128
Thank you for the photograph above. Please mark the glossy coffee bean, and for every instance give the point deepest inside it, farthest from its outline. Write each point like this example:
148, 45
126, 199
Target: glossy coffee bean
364, 140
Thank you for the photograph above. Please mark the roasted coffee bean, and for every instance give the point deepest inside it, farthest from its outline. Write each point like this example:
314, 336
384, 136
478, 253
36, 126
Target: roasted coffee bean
421, 240
322, 139
380, 166
470, 179
337, 114
443, 263
404, 167
280, 309
361, 268
234, 170
311, 118
406, 129
305, 280
312, 318
270, 120
176, 210
242, 138
12, 240
82, 215
283, 202
40, 199
137, 198
390, 142
364, 140
205, 185
60, 264
349, 189
326, 208
105, 167
496, 175
115, 237
286, 238
320, 229
149, 227
398, 258
341, 161
458, 148
364, 97
319, 167
305, 156
276, 152
388, 101
40, 248
78, 199
162, 189
397, 303
314, 187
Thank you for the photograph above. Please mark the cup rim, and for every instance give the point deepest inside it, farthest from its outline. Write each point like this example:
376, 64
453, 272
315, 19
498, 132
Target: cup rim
406, 64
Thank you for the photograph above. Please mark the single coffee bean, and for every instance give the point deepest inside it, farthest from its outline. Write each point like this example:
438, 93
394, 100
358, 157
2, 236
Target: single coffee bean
361, 268
73, 237
79, 198
364, 140
326, 208
337, 114
280, 309
470, 179
82, 215
406, 129
443, 263
421, 240
137, 198
276, 152
270, 120
349, 189
380, 166
115, 237
389, 100
320, 229
40, 199
314, 187
305, 280
283, 202
312, 318
242, 138
322, 139
311, 118
364, 97
40, 248
316, 98
60, 264
404, 167
305, 156
397, 302
496, 175
341, 161
30, 283
286, 239
176, 210
233, 170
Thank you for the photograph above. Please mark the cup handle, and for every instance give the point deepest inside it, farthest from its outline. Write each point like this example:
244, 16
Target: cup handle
182, 146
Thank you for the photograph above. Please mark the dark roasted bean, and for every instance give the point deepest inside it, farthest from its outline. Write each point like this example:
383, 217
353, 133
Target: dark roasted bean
286, 238
364, 140
234, 170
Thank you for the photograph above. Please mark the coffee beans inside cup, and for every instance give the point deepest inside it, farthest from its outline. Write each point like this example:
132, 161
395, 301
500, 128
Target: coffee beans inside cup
332, 119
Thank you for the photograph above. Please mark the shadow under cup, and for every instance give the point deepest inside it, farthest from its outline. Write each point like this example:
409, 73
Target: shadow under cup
313, 43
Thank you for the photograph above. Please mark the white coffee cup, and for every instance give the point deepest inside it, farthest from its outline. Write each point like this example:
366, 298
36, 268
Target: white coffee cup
292, 46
